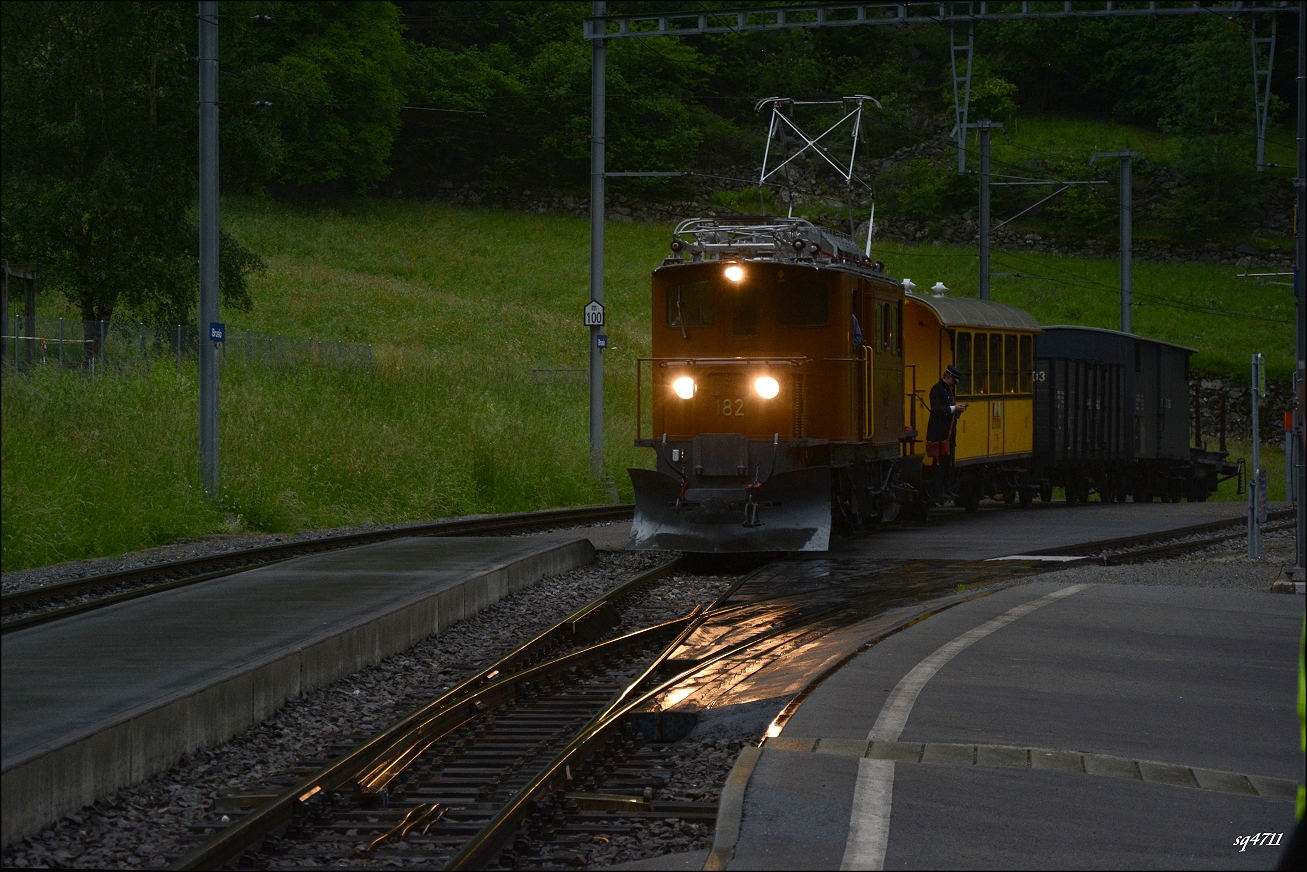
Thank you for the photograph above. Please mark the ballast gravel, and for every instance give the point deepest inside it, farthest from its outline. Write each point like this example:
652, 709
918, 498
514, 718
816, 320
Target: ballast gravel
147, 826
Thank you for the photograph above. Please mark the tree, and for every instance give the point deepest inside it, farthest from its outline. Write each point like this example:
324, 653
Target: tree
99, 156
311, 91
1212, 114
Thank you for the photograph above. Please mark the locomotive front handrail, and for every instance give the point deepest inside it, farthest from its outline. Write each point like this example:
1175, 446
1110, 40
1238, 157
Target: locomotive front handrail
727, 361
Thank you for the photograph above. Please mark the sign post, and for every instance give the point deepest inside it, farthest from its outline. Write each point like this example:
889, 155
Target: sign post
208, 351
1257, 485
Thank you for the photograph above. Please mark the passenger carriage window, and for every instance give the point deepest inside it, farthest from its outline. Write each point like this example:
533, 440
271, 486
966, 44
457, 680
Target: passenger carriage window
996, 363
744, 312
963, 362
981, 369
1010, 363
690, 305
1027, 364
802, 304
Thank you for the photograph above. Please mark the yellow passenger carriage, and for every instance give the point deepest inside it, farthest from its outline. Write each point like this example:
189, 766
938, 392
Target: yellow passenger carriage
992, 345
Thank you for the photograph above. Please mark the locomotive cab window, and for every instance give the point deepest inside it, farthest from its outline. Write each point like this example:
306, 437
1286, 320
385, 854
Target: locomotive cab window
887, 337
690, 305
802, 304
744, 312
898, 329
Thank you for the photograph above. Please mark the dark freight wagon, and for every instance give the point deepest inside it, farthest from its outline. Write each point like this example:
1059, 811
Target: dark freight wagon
1113, 417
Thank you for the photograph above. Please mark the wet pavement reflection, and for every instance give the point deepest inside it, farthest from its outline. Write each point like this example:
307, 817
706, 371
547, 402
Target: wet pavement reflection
782, 612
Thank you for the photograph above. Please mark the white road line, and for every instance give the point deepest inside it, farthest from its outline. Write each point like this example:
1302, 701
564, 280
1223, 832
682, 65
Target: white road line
869, 823
872, 796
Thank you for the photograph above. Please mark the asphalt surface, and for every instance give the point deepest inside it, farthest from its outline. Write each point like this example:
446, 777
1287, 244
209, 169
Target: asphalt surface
998, 530
1114, 679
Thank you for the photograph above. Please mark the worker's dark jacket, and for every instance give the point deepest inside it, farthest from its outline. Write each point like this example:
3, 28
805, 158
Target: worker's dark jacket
941, 419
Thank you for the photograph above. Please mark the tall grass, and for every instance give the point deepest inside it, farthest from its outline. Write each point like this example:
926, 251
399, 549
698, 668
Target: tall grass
460, 305
105, 465
98, 466
1203, 306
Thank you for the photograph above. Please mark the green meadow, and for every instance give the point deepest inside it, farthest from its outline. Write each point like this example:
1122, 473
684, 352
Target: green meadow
463, 308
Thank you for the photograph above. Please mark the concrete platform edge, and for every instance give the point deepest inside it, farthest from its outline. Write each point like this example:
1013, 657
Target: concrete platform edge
730, 809
46, 784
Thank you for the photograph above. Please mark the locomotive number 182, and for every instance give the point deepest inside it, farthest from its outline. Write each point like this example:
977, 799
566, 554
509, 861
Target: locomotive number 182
730, 407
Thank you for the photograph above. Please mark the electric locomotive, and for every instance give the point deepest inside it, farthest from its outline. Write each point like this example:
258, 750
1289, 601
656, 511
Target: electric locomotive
772, 399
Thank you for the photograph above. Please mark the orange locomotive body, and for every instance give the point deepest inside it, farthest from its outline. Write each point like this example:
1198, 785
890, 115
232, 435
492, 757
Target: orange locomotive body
773, 398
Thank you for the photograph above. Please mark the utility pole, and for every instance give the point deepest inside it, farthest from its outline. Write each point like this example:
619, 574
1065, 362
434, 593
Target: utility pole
1299, 270
208, 18
1127, 233
597, 97
1127, 241
985, 126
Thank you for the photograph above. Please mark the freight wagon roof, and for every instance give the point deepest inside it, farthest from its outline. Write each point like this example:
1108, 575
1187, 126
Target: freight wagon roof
966, 312
1130, 336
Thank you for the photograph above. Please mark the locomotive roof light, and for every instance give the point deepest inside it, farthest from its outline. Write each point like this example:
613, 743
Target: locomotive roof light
767, 387
734, 272
684, 387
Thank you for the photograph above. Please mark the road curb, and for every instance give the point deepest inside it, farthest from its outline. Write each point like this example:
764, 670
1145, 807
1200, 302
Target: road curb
730, 809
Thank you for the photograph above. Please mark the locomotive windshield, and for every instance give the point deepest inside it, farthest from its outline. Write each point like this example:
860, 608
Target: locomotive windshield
802, 304
744, 311
690, 305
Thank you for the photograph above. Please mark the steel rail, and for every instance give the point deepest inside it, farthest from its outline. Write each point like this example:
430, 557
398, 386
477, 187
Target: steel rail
1085, 548
1177, 548
456, 705
198, 569
482, 848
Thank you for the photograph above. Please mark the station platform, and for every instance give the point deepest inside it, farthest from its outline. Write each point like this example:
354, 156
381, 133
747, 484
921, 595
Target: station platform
110, 697
1058, 723
999, 530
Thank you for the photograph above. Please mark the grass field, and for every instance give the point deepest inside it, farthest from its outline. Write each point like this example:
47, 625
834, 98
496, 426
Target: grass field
460, 306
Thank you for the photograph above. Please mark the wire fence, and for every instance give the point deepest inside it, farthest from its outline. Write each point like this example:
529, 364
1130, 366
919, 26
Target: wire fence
108, 346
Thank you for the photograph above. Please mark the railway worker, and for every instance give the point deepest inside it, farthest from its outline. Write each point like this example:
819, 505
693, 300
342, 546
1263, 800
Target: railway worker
941, 435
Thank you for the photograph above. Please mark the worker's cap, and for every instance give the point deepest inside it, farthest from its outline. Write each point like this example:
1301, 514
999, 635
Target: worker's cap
954, 372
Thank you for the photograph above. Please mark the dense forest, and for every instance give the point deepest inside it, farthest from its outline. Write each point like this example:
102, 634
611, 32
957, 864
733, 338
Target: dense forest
323, 99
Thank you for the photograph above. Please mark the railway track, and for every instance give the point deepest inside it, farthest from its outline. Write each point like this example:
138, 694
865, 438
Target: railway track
560, 746
1169, 543
458, 775
52, 602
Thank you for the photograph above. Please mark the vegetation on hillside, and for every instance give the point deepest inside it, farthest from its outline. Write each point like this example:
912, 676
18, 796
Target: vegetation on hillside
341, 119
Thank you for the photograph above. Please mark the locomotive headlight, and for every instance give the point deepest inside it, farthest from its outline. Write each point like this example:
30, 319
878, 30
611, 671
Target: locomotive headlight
684, 387
734, 273
767, 387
